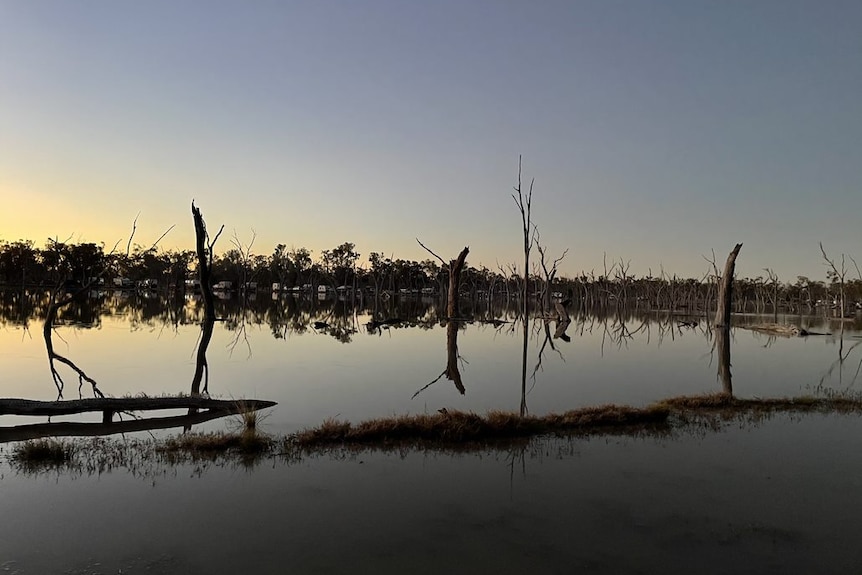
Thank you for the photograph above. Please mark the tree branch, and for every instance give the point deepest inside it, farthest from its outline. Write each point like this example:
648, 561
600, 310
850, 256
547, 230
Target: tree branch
444, 262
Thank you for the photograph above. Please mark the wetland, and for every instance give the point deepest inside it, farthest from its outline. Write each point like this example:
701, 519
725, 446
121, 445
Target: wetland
722, 480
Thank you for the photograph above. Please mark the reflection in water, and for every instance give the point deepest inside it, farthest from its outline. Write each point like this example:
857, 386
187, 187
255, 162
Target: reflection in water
47, 333
201, 367
838, 365
722, 344
107, 427
526, 331
562, 321
708, 500
287, 314
624, 356
55, 303
452, 371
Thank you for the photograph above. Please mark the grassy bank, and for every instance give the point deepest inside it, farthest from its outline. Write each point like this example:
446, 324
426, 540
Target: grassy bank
457, 426
444, 430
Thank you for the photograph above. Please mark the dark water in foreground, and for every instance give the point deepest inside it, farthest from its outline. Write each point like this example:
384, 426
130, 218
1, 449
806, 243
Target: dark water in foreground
779, 497
776, 496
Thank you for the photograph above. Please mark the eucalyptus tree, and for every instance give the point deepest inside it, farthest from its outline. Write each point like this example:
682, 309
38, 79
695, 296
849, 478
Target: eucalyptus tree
381, 268
341, 262
301, 265
279, 265
18, 261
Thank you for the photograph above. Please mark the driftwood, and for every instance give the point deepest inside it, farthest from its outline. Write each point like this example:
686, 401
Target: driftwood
781, 329
111, 405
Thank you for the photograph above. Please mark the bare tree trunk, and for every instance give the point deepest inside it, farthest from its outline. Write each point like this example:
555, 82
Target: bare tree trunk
725, 293
455, 268
204, 253
524, 204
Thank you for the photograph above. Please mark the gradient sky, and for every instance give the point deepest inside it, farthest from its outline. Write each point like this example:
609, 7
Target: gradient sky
656, 131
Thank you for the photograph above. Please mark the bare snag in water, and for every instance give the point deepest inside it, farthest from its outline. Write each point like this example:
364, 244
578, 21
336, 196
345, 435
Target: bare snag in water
725, 292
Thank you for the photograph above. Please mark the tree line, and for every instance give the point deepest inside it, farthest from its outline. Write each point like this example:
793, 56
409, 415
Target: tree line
23, 265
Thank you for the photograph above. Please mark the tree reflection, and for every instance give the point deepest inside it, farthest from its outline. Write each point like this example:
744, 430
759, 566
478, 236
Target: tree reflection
55, 303
201, 374
452, 371
526, 332
722, 344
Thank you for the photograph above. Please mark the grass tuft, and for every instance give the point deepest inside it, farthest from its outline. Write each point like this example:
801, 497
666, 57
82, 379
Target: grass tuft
210, 445
43, 453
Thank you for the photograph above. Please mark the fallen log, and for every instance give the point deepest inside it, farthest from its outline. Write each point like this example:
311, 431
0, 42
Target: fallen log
79, 429
111, 405
781, 329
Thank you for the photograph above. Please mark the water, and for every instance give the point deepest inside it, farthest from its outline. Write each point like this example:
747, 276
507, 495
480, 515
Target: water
273, 351
777, 496
782, 497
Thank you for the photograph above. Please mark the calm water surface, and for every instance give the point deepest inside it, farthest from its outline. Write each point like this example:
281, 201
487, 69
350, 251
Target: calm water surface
782, 497
778, 496
348, 371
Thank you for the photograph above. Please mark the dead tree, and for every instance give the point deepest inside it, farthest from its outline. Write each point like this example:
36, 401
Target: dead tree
205, 258
774, 284
59, 299
836, 275
524, 203
725, 292
456, 266
550, 274
244, 253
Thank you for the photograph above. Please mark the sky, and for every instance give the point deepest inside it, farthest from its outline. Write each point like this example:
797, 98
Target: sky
655, 131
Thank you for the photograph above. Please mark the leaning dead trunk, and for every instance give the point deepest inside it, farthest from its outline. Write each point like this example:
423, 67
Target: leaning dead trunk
725, 293
203, 253
455, 268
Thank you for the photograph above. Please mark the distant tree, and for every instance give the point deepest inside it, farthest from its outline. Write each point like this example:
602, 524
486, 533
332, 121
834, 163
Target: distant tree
301, 265
279, 265
340, 262
381, 268
18, 262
